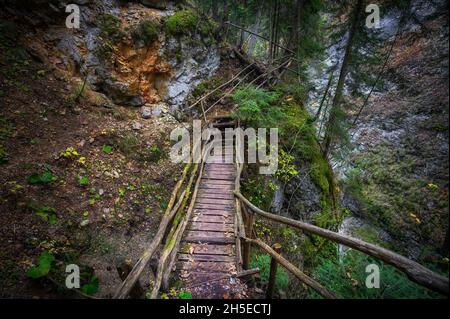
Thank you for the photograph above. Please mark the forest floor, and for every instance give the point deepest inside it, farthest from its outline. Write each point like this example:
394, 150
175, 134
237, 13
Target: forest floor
81, 178
84, 182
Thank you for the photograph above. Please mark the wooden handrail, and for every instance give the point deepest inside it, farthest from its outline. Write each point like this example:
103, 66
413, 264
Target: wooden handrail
294, 270
415, 271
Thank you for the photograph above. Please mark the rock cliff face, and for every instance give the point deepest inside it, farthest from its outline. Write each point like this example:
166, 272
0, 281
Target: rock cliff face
123, 52
396, 177
191, 61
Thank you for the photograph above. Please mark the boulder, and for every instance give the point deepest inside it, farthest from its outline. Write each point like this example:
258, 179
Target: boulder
121, 94
146, 111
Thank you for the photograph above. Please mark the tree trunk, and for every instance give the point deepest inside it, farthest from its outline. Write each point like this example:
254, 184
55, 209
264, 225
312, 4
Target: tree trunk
215, 10
252, 39
293, 40
224, 17
342, 76
242, 32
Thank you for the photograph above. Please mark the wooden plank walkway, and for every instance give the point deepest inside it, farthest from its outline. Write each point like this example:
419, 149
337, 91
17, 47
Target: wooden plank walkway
208, 248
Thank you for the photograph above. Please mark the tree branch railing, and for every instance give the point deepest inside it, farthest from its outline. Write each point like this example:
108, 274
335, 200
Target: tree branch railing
174, 210
415, 271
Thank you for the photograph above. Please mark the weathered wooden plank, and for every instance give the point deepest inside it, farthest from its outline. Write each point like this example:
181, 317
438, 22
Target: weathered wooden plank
209, 249
216, 182
205, 266
211, 240
217, 187
203, 257
215, 201
219, 166
229, 208
219, 176
220, 170
195, 278
205, 193
218, 227
211, 212
213, 219
208, 234
218, 159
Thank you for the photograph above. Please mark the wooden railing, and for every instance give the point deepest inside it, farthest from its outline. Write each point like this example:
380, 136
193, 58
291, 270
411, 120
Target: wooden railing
415, 271
171, 228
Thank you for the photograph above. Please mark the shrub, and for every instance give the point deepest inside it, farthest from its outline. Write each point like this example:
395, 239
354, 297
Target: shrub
45, 212
154, 153
147, 31
257, 107
44, 178
110, 28
43, 268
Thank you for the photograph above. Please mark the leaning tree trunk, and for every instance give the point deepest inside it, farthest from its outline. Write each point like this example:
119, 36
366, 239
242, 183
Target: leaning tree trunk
342, 76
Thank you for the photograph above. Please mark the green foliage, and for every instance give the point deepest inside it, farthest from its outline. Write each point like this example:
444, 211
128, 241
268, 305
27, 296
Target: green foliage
347, 279
257, 106
185, 295
257, 193
394, 198
69, 152
110, 34
263, 263
91, 287
286, 168
110, 27
43, 268
319, 172
45, 178
147, 31
45, 212
83, 180
3, 154
154, 153
107, 149
181, 23
129, 144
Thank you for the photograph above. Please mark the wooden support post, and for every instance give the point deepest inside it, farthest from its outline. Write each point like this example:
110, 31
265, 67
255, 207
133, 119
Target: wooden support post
273, 272
249, 230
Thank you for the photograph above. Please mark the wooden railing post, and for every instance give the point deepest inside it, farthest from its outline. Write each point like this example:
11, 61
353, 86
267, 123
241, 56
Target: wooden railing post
273, 272
249, 230
247, 245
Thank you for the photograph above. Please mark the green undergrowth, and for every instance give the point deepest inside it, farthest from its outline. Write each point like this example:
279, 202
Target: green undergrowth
282, 108
262, 261
392, 197
347, 278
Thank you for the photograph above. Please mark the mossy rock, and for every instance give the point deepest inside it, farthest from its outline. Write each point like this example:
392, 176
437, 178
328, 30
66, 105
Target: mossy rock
147, 32
110, 27
181, 23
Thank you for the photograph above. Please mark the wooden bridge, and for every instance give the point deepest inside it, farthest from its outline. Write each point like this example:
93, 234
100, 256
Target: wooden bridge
207, 244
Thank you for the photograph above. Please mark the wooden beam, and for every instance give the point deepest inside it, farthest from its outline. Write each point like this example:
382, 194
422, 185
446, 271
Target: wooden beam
261, 36
220, 86
415, 271
294, 270
273, 272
